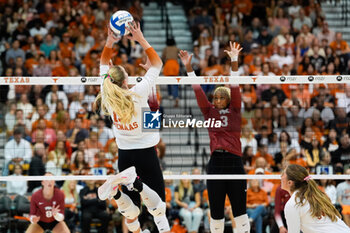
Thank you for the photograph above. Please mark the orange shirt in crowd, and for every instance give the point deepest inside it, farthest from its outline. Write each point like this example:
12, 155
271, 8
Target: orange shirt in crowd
66, 49
171, 68
48, 123
214, 70
257, 197
167, 195
269, 159
298, 161
339, 46
244, 6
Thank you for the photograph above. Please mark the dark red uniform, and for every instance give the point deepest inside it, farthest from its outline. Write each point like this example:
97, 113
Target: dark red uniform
39, 206
226, 137
226, 154
281, 198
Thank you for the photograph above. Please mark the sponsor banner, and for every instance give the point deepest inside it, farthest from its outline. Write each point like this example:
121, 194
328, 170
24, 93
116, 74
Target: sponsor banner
292, 79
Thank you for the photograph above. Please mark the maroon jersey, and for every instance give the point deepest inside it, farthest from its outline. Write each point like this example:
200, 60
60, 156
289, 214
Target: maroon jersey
226, 137
281, 198
39, 206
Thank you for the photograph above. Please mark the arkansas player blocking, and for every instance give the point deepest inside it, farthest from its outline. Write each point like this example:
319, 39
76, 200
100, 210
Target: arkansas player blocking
47, 209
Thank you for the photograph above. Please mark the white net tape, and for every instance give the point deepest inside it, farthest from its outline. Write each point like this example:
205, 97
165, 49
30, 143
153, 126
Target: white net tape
173, 177
182, 80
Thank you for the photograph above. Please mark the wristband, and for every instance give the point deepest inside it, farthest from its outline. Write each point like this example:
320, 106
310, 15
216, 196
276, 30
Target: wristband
59, 217
31, 219
235, 58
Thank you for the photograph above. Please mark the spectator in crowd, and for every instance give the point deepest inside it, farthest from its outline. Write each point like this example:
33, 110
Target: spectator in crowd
78, 133
36, 166
112, 155
247, 139
10, 118
92, 207
343, 192
17, 186
58, 159
257, 202
327, 186
72, 202
189, 201
79, 166
13, 53
17, 151
50, 134
104, 133
341, 156
48, 45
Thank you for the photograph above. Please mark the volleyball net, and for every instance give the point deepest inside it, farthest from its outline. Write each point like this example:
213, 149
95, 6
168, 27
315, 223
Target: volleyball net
299, 118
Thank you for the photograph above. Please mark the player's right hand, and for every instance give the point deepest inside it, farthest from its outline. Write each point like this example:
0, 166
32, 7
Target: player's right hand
35, 219
135, 30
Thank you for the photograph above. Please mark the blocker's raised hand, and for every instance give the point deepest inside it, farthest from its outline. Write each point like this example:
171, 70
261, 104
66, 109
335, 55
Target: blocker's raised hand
235, 48
185, 57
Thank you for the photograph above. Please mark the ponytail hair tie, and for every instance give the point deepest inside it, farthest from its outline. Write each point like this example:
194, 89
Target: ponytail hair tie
307, 178
107, 76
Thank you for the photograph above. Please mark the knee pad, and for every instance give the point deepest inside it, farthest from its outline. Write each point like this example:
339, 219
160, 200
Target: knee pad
133, 226
217, 225
242, 224
162, 223
131, 212
159, 210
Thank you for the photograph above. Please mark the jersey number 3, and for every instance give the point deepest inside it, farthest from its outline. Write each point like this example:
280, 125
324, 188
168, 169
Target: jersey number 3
224, 120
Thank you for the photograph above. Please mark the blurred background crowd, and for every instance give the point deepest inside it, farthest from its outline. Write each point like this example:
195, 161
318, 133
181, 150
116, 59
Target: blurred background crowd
54, 128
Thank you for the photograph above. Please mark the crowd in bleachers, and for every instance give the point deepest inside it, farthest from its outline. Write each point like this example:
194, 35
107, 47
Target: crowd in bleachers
55, 129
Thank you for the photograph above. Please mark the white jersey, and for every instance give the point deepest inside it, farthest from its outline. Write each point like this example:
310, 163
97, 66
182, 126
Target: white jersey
130, 136
299, 219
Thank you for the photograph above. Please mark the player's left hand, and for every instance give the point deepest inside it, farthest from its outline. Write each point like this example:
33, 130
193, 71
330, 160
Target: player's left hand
55, 210
235, 48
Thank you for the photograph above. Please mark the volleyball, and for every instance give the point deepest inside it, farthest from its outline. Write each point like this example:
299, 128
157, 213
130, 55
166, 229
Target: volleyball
118, 22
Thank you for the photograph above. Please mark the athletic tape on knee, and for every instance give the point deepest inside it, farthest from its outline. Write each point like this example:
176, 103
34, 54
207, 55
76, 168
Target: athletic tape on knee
217, 225
159, 210
242, 224
133, 226
162, 223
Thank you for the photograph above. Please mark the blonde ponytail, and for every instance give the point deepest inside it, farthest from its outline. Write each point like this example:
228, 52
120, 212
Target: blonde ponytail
114, 98
320, 204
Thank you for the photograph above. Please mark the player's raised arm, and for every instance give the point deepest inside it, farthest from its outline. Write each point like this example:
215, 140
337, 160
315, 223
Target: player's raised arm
186, 60
202, 99
107, 50
137, 35
233, 53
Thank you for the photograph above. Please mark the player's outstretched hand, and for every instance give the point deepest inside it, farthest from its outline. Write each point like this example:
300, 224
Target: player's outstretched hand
135, 30
185, 57
235, 48
55, 210
112, 38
